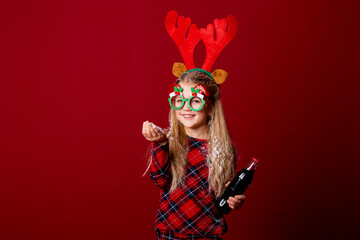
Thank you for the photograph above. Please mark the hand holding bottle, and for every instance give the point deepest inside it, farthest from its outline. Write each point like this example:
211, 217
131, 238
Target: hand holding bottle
236, 188
237, 201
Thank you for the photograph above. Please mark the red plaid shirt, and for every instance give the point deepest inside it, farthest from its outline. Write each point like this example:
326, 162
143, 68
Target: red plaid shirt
190, 208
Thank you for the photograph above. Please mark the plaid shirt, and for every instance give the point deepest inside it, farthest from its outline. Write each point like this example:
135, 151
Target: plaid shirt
190, 209
169, 235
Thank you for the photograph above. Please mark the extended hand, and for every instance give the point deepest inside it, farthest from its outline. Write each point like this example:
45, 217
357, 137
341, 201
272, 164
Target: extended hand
153, 134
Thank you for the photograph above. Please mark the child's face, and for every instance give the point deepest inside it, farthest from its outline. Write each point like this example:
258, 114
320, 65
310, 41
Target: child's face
192, 120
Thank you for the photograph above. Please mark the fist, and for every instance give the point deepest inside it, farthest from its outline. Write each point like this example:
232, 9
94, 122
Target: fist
153, 134
236, 202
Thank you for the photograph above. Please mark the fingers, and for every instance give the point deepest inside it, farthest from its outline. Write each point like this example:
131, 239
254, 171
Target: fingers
151, 130
143, 129
152, 133
146, 131
236, 202
240, 197
156, 130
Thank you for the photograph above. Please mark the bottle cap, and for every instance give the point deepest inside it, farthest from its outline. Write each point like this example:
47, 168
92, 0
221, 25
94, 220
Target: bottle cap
255, 160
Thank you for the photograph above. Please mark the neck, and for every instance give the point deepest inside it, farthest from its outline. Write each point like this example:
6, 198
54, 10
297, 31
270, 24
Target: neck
200, 132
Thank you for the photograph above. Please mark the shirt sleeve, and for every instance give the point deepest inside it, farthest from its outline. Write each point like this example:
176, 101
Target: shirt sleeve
160, 170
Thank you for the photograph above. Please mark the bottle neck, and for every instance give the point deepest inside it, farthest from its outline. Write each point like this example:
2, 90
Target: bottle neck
253, 164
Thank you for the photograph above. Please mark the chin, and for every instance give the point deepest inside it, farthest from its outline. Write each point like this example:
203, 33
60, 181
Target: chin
192, 124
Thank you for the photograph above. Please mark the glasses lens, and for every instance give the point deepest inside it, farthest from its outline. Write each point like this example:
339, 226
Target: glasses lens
196, 103
176, 101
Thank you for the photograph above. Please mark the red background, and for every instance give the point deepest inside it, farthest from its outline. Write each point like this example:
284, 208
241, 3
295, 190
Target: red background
78, 78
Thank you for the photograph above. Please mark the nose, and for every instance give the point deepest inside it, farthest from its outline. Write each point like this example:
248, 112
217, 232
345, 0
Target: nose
186, 107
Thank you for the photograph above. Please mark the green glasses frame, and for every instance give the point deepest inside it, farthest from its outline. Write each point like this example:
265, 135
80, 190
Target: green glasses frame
188, 101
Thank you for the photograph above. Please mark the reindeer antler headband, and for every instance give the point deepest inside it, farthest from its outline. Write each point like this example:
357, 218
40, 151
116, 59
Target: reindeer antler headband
225, 30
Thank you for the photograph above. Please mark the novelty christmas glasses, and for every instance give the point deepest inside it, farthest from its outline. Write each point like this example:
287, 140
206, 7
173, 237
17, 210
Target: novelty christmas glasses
195, 102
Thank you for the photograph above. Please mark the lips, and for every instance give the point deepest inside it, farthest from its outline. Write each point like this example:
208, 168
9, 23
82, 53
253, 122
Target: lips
188, 116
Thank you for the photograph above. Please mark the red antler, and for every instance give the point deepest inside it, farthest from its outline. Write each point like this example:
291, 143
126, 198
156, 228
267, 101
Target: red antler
223, 37
185, 45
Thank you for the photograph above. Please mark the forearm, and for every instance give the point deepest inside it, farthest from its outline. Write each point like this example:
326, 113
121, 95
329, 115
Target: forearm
160, 168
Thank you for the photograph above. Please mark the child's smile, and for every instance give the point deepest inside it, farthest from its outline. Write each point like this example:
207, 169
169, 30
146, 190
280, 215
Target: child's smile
188, 116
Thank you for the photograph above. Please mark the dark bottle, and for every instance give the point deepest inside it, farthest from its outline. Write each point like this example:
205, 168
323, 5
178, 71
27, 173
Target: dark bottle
237, 186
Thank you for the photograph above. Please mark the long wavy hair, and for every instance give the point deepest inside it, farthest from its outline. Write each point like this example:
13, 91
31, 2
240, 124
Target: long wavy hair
221, 155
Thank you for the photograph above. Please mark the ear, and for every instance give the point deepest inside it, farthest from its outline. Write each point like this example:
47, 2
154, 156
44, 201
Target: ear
219, 76
178, 69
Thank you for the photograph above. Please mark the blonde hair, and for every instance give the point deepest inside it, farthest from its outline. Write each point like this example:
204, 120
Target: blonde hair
221, 159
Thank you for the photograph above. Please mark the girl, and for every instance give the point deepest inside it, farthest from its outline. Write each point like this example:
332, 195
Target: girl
193, 161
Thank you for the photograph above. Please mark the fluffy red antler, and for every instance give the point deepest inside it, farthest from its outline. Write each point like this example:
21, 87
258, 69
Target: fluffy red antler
187, 44
223, 37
